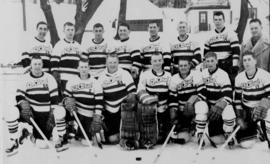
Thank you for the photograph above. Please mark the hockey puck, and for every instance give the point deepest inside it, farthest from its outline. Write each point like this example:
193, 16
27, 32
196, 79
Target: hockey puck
138, 158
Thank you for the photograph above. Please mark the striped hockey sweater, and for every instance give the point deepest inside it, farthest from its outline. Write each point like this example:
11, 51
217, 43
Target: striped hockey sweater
40, 92
182, 89
225, 43
187, 48
116, 87
87, 93
249, 91
40, 48
156, 85
65, 58
96, 53
218, 86
128, 54
158, 45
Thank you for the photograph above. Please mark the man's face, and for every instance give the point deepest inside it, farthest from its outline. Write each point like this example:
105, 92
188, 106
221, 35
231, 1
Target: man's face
219, 21
69, 32
255, 29
211, 63
83, 67
153, 29
98, 32
112, 64
156, 62
123, 32
182, 28
249, 62
184, 66
42, 30
36, 66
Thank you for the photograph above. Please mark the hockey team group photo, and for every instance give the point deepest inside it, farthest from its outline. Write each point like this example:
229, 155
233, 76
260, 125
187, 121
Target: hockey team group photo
189, 75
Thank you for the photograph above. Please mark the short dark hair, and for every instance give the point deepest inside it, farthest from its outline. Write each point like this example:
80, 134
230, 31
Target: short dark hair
97, 25
36, 57
153, 22
156, 54
184, 59
255, 20
112, 55
210, 54
219, 13
249, 53
41, 23
124, 24
68, 24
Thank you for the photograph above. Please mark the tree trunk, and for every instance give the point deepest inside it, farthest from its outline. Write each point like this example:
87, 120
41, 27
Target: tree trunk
82, 17
243, 20
121, 16
46, 8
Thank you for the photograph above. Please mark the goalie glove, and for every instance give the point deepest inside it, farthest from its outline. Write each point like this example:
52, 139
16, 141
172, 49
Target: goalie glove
189, 106
216, 110
70, 104
26, 111
260, 112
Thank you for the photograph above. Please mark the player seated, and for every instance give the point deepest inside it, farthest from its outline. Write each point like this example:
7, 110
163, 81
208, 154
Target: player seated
186, 89
221, 115
118, 90
153, 93
252, 101
84, 95
37, 99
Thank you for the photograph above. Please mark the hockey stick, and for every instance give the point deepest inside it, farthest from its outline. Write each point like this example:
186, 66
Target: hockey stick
228, 139
202, 139
83, 131
262, 129
43, 136
164, 145
211, 141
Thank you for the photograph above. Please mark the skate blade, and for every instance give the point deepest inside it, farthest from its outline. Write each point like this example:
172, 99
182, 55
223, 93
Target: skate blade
12, 154
62, 149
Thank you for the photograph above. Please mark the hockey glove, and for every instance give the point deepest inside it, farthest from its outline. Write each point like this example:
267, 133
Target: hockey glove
242, 123
215, 113
26, 111
70, 104
96, 124
260, 112
189, 106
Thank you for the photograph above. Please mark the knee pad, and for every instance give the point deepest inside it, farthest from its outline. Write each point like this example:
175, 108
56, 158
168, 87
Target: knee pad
228, 113
12, 114
201, 107
59, 112
247, 144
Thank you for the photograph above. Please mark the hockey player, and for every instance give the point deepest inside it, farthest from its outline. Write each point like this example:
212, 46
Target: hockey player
118, 86
155, 44
37, 98
186, 89
221, 115
252, 100
128, 53
224, 42
84, 95
38, 46
96, 51
65, 57
153, 93
184, 46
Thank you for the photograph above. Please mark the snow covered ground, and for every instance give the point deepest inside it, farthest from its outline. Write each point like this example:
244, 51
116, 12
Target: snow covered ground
77, 153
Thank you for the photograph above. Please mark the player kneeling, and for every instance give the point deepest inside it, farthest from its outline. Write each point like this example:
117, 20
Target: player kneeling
83, 95
252, 101
221, 115
119, 89
153, 94
186, 89
37, 99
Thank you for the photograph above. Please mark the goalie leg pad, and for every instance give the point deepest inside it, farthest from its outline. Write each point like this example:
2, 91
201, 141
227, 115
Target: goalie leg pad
129, 129
228, 116
147, 115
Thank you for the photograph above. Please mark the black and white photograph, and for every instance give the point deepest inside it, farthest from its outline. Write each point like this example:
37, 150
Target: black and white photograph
135, 81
